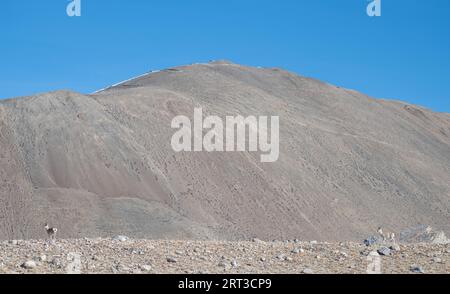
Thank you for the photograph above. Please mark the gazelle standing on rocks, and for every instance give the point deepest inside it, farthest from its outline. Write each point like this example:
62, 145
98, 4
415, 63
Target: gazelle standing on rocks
386, 235
51, 232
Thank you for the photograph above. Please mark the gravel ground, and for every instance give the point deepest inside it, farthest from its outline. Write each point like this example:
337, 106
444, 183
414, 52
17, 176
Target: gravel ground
125, 256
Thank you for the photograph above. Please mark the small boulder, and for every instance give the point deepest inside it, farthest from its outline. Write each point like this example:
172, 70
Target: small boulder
384, 251
145, 268
437, 260
120, 238
297, 250
417, 269
30, 264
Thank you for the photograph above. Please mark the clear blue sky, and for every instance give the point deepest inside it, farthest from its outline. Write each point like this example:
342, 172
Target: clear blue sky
404, 54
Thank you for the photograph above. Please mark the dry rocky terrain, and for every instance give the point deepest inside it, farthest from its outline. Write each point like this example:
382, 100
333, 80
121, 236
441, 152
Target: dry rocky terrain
122, 255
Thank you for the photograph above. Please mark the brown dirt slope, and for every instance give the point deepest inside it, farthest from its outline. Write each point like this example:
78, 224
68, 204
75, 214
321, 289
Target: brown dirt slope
102, 164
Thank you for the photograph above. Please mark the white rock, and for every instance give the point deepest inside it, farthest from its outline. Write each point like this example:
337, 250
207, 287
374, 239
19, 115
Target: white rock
145, 268
308, 271
298, 250
30, 264
120, 238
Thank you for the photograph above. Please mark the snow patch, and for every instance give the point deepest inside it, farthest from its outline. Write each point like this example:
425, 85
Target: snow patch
123, 82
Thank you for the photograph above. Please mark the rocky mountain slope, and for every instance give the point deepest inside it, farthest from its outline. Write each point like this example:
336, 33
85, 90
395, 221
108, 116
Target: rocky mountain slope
102, 164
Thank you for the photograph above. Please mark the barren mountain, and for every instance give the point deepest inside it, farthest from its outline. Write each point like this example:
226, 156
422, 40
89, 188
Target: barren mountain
102, 164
